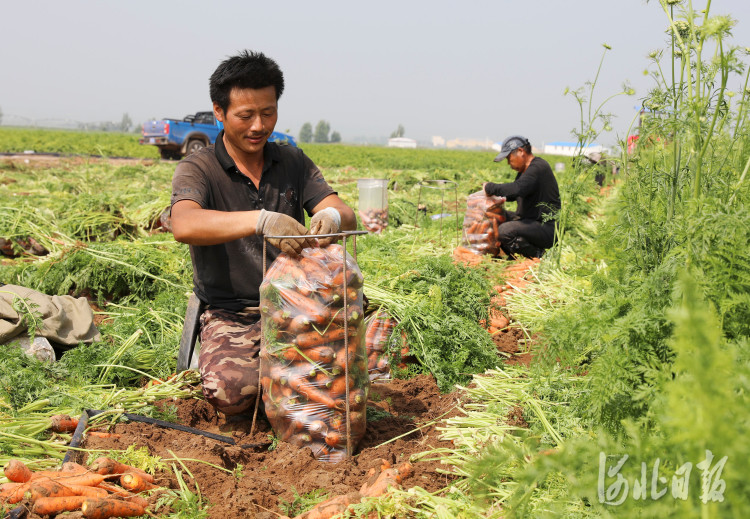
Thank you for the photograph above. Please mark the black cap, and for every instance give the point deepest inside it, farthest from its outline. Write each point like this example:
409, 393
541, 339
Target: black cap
511, 143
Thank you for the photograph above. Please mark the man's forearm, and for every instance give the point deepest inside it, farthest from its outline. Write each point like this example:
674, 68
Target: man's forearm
209, 227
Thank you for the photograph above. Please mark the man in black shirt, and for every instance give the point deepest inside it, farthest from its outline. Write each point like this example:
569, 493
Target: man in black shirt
225, 198
531, 229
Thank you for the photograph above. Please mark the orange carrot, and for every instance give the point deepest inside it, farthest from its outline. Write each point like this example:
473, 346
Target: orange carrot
301, 386
72, 466
17, 471
309, 339
106, 508
338, 387
317, 313
88, 480
135, 482
55, 505
12, 493
300, 323
334, 438
49, 488
323, 354
62, 423
102, 434
108, 466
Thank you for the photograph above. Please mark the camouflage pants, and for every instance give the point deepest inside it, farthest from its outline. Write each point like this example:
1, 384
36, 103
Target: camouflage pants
228, 360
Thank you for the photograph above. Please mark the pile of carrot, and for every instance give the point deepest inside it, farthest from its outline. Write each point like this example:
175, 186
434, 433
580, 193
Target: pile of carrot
374, 220
304, 361
76, 487
484, 214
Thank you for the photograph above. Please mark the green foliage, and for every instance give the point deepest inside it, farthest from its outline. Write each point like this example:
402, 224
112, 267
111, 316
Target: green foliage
183, 503
138, 457
25, 379
302, 503
106, 271
322, 129
18, 140
439, 304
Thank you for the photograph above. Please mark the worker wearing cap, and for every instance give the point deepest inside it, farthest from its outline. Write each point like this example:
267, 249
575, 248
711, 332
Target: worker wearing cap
531, 228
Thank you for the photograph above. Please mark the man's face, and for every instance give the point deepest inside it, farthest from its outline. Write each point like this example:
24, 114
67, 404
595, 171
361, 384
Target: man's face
517, 160
249, 119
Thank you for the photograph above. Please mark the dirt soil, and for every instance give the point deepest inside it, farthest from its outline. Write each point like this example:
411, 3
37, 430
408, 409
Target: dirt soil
403, 413
408, 410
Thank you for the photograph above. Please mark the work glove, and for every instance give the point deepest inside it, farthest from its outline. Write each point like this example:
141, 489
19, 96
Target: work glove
327, 221
278, 224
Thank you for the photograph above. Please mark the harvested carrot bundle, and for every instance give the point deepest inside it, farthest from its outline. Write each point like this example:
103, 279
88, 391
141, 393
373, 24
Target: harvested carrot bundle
374, 220
106, 508
484, 214
313, 334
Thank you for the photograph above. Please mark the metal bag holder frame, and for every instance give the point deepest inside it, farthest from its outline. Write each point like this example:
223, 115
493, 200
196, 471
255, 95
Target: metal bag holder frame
343, 235
442, 189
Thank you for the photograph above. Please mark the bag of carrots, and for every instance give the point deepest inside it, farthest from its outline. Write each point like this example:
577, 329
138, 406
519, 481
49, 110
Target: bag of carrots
484, 214
383, 346
313, 352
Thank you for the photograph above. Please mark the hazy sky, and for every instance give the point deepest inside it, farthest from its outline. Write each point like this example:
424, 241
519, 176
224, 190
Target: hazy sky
469, 69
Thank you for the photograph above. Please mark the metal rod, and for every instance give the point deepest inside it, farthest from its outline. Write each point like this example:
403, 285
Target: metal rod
262, 347
346, 362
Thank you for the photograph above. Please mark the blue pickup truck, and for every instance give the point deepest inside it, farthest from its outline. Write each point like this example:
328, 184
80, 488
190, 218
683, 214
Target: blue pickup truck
177, 138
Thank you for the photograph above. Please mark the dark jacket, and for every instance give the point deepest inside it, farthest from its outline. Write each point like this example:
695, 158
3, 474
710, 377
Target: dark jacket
535, 190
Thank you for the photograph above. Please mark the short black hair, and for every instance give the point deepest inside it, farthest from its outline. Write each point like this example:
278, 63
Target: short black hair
246, 70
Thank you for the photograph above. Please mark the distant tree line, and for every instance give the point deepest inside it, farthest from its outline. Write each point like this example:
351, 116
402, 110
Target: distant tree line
321, 133
125, 125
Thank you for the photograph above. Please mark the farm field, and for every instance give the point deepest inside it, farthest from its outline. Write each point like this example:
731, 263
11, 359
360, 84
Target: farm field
617, 385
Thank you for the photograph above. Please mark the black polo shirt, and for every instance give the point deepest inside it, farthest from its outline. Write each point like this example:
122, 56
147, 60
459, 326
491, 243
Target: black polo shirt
229, 275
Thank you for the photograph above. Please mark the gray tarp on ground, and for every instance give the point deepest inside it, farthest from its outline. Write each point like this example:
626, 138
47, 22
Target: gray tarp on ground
66, 320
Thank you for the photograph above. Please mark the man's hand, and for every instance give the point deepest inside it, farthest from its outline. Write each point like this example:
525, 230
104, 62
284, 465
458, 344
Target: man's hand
278, 224
327, 221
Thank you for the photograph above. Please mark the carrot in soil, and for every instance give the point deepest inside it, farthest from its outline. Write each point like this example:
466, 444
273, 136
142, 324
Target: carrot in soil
55, 505
135, 482
17, 471
106, 508
62, 423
